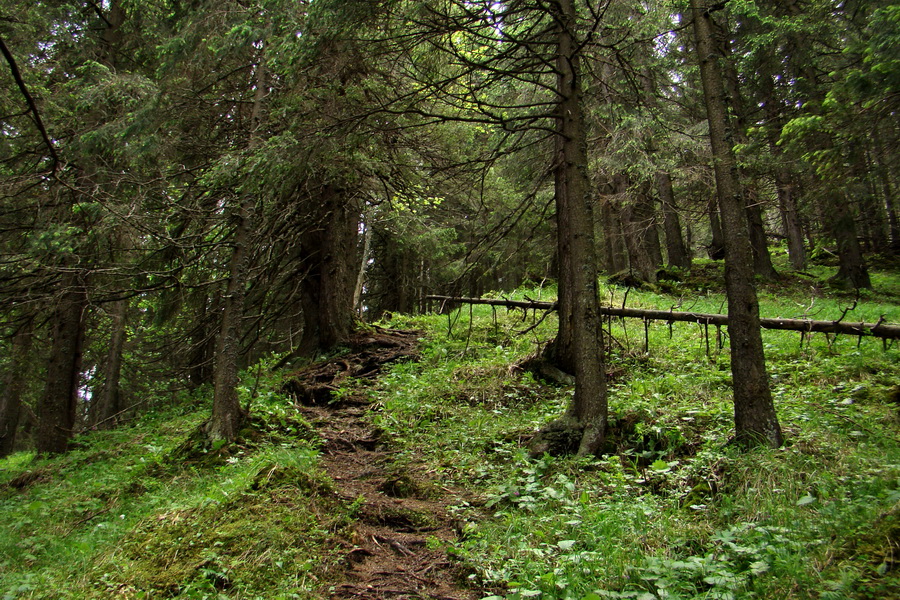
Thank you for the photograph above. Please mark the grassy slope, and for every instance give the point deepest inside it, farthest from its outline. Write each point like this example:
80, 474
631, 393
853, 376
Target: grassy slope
671, 512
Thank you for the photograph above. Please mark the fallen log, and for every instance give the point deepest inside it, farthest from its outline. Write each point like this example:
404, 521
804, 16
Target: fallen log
880, 329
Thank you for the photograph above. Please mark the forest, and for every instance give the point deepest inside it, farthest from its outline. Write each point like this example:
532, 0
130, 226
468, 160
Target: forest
454, 299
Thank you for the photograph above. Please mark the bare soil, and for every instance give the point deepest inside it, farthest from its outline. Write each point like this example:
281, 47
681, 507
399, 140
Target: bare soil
395, 548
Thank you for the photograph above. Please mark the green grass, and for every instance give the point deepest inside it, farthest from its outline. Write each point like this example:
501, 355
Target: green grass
671, 510
142, 512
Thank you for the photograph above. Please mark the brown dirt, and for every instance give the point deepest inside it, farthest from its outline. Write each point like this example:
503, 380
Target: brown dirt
394, 549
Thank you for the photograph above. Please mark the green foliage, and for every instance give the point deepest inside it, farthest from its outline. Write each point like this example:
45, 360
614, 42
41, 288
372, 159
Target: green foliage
125, 513
671, 510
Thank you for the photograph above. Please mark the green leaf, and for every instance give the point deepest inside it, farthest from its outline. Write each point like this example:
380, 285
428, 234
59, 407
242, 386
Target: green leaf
759, 567
807, 499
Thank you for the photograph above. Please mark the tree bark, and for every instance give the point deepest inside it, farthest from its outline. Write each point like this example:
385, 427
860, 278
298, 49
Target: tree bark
13, 386
107, 402
784, 180
888, 196
227, 414
615, 253
716, 249
642, 238
754, 410
56, 410
579, 307
762, 260
676, 252
790, 219
330, 250
363, 267
852, 272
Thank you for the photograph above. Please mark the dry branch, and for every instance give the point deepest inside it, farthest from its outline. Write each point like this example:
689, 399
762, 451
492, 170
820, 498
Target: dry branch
881, 329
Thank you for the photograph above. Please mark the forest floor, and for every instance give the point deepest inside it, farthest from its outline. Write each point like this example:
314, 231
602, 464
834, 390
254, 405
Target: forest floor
395, 547
398, 468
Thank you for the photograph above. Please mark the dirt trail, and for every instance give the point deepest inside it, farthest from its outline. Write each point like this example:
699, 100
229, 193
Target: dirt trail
387, 555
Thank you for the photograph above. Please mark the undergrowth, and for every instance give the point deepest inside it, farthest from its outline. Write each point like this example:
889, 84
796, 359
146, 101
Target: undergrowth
150, 511
670, 510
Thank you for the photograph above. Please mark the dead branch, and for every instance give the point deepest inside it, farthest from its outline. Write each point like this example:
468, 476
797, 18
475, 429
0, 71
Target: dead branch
880, 329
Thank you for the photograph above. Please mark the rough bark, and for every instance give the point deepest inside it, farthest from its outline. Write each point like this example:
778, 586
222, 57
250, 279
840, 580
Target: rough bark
579, 307
56, 410
13, 387
790, 219
330, 251
762, 260
676, 252
754, 410
784, 182
227, 414
888, 195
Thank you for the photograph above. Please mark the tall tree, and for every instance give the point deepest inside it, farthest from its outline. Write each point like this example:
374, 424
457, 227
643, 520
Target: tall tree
754, 410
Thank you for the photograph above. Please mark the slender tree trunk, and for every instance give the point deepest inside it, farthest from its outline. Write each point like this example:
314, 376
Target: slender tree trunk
615, 253
852, 273
762, 260
13, 387
754, 410
361, 275
876, 217
790, 220
107, 400
638, 229
579, 308
784, 181
676, 251
56, 410
227, 414
717, 245
888, 195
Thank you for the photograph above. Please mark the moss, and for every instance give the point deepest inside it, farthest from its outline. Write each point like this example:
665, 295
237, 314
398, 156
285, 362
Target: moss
252, 545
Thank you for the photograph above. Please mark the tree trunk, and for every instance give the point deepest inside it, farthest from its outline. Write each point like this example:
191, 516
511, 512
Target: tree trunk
107, 401
642, 266
330, 250
579, 308
615, 256
852, 273
716, 249
227, 414
784, 183
363, 267
790, 219
676, 252
754, 411
13, 386
56, 410
888, 195
762, 260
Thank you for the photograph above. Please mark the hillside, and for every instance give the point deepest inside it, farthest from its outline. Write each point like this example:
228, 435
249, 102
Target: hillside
398, 468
